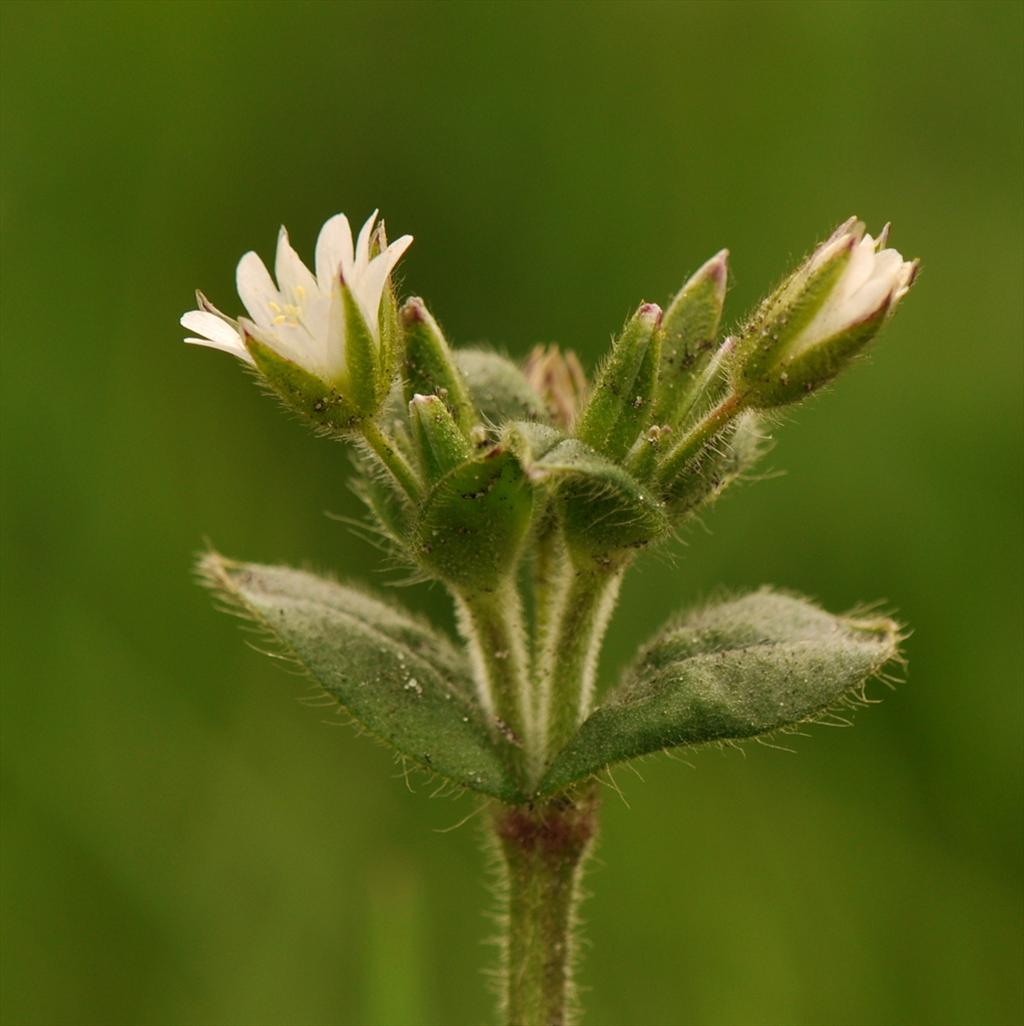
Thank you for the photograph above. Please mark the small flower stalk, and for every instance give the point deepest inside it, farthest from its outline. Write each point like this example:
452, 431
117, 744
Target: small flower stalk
528, 493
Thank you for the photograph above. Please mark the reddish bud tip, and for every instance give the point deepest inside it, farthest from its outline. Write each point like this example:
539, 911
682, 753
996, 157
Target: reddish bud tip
650, 312
413, 311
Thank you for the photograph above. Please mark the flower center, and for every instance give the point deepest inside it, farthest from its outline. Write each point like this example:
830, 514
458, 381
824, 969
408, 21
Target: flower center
289, 313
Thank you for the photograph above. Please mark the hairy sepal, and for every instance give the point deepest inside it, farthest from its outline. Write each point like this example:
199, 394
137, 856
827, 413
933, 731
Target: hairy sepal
401, 681
324, 407
733, 670
498, 388
471, 526
604, 510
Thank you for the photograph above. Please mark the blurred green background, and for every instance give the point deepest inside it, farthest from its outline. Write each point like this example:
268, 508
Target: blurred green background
184, 841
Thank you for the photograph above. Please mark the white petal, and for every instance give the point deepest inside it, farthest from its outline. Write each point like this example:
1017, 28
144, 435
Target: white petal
396, 250
256, 288
209, 326
860, 268
867, 301
333, 247
291, 272
282, 340
370, 287
234, 346
363, 245
888, 264
334, 357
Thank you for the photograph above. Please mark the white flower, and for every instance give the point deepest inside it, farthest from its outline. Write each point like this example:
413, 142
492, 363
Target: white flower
302, 316
873, 281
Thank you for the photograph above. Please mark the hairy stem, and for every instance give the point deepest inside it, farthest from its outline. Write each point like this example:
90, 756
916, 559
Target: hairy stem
569, 663
694, 441
543, 848
390, 456
492, 624
548, 559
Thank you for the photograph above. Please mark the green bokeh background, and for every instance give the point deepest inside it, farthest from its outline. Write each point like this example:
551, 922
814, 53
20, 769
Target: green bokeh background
184, 841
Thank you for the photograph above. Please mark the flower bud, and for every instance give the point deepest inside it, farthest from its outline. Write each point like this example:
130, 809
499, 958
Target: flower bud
820, 317
440, 445
429, 365
619, 407
315, 339
689, 331
559, 380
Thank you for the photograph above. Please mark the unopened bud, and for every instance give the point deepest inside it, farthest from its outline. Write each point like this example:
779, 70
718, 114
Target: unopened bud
429, 366
559, 380
689, 331
440, 445
821, 317
620, 404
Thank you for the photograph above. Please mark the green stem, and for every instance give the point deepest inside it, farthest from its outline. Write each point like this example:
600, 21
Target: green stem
390, 456
570, 661
492, 624
548, 559
543, 848
702, 432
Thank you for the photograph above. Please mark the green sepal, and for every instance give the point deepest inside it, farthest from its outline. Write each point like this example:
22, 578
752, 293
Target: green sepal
793, 378
619, 407
689, 330
402, 682
440, 445
429, 366
605, 511
390, 331
324, 407
498, 389
782, 317
362, 358
471, 525
737, 669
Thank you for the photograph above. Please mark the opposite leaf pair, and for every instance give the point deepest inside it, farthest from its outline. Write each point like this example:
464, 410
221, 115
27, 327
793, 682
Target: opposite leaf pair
732, 670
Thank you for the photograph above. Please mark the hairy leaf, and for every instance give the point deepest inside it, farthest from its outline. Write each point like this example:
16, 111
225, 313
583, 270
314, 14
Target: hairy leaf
733, 670
400, 680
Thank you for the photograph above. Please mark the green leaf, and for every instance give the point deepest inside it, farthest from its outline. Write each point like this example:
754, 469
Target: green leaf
498, 388
733, 670
401, 681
